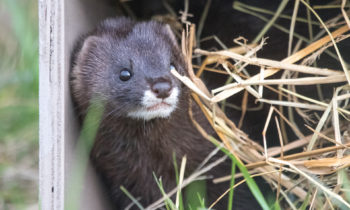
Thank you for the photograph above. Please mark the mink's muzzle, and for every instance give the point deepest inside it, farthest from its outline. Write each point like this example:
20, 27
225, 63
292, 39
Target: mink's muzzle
162, 88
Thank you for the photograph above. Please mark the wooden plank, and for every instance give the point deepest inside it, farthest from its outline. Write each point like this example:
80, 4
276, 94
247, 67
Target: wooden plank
51, 114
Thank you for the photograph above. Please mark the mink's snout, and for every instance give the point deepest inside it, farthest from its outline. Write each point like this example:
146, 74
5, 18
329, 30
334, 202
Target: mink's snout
162, 89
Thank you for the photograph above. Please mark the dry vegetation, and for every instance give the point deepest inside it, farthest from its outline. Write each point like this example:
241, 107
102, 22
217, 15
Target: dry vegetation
309, 172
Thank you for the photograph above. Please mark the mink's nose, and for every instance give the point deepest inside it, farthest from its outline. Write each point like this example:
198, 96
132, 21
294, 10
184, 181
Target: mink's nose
162, 89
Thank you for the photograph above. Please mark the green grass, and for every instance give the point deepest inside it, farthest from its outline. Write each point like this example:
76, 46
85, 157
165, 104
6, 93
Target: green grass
84, 146
18, 104
254, 188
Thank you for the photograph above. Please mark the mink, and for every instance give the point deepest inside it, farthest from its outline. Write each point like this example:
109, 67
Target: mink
145, 123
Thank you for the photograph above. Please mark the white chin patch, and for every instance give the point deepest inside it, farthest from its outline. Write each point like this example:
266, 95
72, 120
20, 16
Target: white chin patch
153, 107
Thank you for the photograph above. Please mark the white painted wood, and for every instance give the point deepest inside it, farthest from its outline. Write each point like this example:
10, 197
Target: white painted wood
51, 113
61, 22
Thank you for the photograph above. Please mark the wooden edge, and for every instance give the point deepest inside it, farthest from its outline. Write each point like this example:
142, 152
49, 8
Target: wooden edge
51, 103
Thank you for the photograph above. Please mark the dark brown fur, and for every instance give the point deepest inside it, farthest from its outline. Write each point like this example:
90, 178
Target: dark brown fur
128, 151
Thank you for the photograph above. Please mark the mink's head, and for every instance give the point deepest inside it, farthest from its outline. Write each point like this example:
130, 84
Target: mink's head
127, 64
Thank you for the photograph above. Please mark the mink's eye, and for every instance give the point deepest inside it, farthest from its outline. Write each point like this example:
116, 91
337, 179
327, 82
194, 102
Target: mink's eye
125, 75
172, 67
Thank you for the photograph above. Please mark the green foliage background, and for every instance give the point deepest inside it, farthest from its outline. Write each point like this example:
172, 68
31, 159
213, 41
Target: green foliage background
18, 104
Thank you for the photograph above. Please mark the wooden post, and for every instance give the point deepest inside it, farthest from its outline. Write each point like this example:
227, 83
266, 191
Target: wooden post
61, 22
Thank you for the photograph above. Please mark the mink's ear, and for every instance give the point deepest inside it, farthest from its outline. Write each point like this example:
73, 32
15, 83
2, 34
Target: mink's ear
89, 43
83, 48
169, 32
